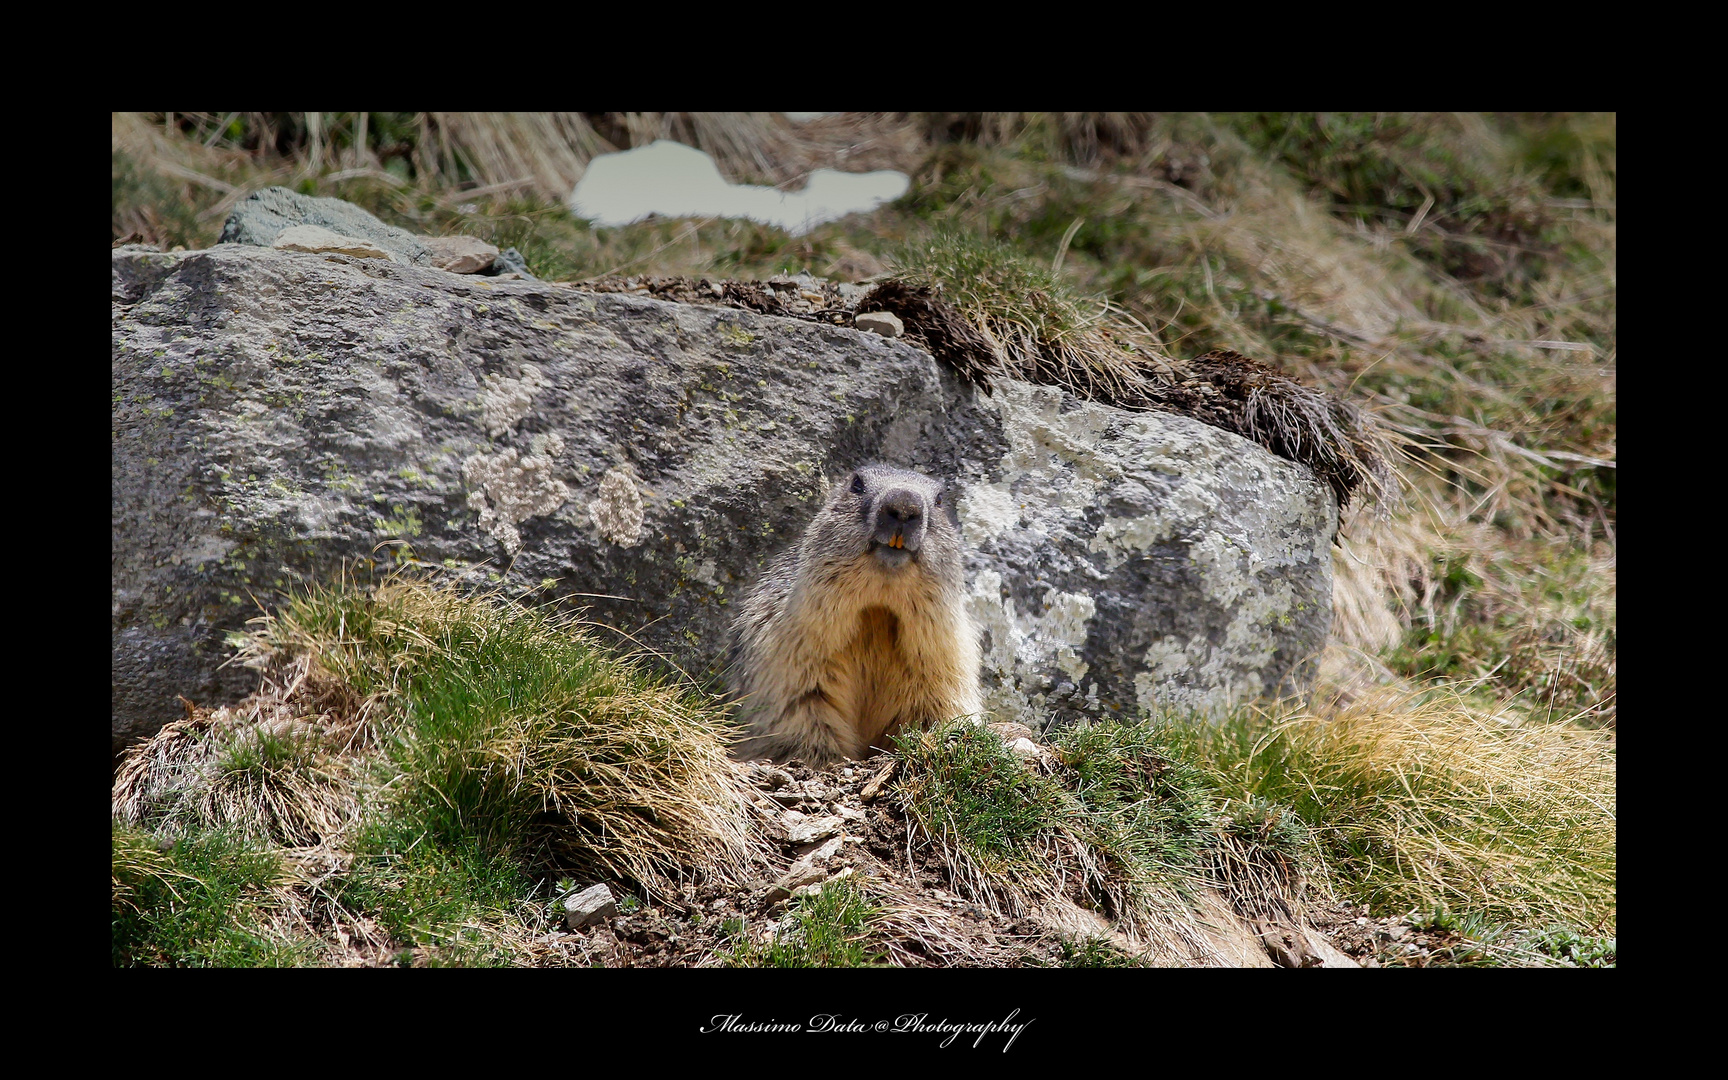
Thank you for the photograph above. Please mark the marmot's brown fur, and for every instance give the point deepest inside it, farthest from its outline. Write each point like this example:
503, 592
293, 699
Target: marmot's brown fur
860, 630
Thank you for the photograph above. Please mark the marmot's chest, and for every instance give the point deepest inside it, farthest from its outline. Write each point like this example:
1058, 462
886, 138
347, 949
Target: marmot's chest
870, 681
878, 637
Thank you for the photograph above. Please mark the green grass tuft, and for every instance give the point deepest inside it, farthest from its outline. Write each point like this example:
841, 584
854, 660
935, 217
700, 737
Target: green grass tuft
1095, 953
1120, 825
441, 896
199, 902
829, 929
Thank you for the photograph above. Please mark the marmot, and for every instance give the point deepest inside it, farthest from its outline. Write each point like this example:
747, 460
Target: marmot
860, 629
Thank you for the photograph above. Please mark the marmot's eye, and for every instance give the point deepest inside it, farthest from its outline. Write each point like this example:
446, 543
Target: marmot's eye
938, 498
857, 484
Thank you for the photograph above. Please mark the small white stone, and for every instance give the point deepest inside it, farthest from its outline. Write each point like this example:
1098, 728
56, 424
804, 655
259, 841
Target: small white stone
885, 323
460, 254
810, 830
589, 906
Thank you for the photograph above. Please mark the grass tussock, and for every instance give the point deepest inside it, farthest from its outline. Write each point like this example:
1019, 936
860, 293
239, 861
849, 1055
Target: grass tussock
988, 310
1424, 803
276, 780
420, 764
515, 731
1116, 826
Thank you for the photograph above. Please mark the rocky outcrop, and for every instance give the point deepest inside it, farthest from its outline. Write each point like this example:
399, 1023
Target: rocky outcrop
279, 416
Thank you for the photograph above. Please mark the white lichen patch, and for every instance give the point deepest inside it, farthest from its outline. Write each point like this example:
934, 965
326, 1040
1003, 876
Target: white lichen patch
504, 401
1019, 645
506, 489
1119, 538
617, 510
987, 511
1208, 680
1058, 450
203, 549
1064, 629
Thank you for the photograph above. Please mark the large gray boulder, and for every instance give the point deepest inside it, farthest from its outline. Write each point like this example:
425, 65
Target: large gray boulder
280, 415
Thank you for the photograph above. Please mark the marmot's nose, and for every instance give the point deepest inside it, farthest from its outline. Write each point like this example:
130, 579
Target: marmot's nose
901, 505
900, 519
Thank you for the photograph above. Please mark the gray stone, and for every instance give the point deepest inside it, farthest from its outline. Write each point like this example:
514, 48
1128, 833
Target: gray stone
510, 261
817, 887
280, 416
810, 869
260, 219
460, 254
589, 906
772, 779
807, 830
885, 323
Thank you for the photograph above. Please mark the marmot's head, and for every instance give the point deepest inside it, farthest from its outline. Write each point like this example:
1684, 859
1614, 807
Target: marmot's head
892, 514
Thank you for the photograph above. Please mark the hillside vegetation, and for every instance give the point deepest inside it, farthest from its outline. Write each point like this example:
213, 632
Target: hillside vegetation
1451, 277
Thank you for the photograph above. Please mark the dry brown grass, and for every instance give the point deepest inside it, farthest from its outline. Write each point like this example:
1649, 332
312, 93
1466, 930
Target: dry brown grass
280, 767
989, 312
1422, 800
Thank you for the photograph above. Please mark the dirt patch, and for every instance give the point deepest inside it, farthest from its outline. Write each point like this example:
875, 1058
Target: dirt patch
923, 921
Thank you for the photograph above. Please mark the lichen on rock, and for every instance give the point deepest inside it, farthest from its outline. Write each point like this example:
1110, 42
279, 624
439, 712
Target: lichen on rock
617, 511
508, 490
505, 401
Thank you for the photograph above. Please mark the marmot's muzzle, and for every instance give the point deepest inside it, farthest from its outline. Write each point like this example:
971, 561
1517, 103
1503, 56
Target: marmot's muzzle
900, 520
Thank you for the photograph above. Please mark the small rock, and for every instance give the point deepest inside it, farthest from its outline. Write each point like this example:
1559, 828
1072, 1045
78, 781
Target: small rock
262, 217
510, 261
811, 890
885, 323
1011, 731
589, 906
809, 830
460, 254
879, 781
811, 868
316, 238
768, 778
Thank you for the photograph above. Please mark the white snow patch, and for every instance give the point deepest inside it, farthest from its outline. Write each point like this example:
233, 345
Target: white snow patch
674, 180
